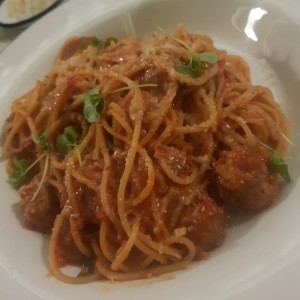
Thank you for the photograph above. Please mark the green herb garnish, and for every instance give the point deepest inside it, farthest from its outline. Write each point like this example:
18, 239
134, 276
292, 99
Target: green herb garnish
95, 42
68, 141
41, 142
196, 63
93, 104
208, 57
278, 165
21, 174
18, 177
109, 40
127, 88
86, 42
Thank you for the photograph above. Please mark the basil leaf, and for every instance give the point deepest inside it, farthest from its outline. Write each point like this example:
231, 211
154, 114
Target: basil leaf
93, 104
278, 165
18, 177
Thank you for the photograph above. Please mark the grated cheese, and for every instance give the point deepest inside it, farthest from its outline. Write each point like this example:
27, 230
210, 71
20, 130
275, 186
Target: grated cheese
24, 9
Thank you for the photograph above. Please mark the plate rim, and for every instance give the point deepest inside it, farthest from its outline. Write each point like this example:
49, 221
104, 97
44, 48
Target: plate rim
34, 296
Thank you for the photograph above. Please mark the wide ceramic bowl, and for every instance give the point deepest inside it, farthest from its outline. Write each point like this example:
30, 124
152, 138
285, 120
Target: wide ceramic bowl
261, 256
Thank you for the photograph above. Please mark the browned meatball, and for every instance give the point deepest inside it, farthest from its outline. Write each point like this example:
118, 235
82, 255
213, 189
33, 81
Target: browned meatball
206, 224
244, 181
38, 214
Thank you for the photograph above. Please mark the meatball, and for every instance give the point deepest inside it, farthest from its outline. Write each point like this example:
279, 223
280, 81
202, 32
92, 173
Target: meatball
38, 214
206, 224
244, 180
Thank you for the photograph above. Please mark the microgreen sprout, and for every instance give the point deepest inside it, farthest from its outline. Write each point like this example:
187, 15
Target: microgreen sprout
277, 164
40, 141
110, 40
196, 64
86, 42
126, 88
95, 42
68, 141
93, 104
94, 100
19, 176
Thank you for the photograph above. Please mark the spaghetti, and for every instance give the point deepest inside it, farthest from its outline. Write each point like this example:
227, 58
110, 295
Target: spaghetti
129, 151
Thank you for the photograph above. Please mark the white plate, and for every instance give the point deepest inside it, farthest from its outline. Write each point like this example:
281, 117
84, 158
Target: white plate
261, 256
